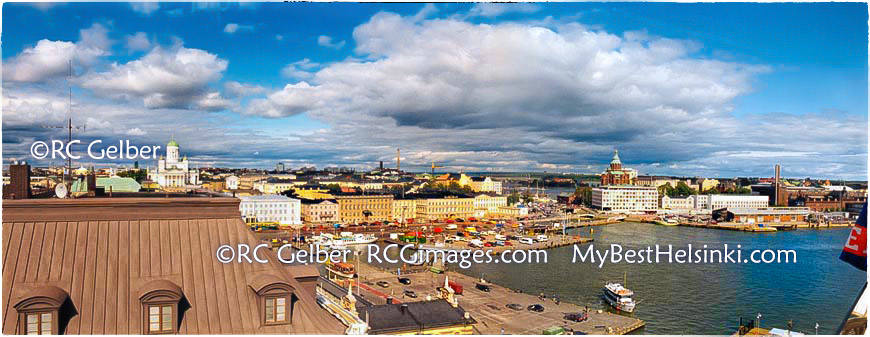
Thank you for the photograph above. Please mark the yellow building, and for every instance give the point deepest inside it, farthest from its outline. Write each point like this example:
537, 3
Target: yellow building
706, 184
486, 184
365, 208
489, 204
404, 209
320, 211
430, 209
314, 193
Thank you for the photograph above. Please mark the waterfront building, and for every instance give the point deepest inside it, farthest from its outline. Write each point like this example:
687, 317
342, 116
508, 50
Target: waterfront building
488, 203
320, 211
431, 209
147, 266
616, 174
625, 198
271, 208
404, 209
678, 203
719, 201
765, 215
357, 208
173, 172
509, 212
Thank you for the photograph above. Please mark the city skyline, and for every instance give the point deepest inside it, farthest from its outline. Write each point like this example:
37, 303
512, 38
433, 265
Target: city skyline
473, 87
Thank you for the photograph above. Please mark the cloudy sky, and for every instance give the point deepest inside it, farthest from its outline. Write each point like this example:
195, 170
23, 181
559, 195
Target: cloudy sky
683, 89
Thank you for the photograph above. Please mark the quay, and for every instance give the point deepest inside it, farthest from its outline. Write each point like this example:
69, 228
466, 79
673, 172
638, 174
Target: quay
489, 309
552, 242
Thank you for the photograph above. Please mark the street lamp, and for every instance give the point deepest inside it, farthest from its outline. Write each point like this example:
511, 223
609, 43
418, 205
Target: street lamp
758, 318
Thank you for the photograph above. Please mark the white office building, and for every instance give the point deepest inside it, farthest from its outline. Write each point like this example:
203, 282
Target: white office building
271, 208
625, 198
719, 201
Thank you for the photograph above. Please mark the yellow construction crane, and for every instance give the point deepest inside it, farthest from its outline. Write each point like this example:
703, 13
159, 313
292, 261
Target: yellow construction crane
433, 169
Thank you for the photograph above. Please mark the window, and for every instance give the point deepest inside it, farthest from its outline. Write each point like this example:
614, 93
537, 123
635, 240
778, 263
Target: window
38, 311
160, 318
276, 310
40, 323
160, 299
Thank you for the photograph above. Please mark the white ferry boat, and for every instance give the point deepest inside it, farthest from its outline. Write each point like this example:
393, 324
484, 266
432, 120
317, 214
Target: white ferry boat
619, 297
356, 239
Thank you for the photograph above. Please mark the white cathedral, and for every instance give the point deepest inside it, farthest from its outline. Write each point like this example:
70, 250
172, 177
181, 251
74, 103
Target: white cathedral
173, 172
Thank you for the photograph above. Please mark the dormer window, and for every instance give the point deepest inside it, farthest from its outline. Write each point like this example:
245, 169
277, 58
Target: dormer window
160, 307
39, 311
276, 299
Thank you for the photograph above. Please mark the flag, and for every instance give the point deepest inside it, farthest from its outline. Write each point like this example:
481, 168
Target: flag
855, 250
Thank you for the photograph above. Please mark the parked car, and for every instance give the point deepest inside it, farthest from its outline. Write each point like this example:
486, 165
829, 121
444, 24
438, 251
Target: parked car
383, 284
577, 317
404, 280
482, 287
500, 237
452, 226
536, 308
527, 241
542, 238
457, 288
514, 306
410, 293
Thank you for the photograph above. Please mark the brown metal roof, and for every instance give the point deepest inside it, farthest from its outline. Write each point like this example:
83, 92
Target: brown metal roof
104, 252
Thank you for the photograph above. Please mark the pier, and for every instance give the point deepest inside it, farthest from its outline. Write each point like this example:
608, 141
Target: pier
490, 309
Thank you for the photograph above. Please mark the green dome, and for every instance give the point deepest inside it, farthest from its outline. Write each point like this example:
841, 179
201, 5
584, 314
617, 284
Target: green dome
172, 143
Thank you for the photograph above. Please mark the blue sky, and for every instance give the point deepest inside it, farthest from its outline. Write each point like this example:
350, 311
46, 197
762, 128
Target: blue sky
686, 89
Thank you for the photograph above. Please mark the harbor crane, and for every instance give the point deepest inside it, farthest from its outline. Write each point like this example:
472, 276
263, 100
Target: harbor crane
434, 167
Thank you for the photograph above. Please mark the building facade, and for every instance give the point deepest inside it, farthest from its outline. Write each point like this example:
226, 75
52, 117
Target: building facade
320, 211
616, 174
404, 209
489, 203
486, 184
625, 198
719, 201
271, 208
365, 208
431, 209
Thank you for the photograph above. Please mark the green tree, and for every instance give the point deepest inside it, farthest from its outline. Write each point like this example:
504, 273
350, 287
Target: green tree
666, 189
513, 198
138, 175
683, 190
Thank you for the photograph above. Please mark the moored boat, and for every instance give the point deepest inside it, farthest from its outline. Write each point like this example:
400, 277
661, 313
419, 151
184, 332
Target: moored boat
619, 297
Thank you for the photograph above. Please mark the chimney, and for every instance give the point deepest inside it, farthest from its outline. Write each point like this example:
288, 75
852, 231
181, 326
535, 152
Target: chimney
19, 180
776, 186
382, 165
92, 183
398, 160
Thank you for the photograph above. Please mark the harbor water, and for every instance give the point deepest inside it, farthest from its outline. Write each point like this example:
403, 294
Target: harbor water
701, 298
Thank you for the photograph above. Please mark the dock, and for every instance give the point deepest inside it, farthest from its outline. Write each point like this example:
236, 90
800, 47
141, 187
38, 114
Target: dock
490, 309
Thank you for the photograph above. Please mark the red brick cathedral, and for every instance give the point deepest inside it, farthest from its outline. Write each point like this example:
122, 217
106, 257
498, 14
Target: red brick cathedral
616, 175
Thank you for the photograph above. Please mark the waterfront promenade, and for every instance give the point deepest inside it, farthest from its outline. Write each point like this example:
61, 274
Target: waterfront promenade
490, 309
